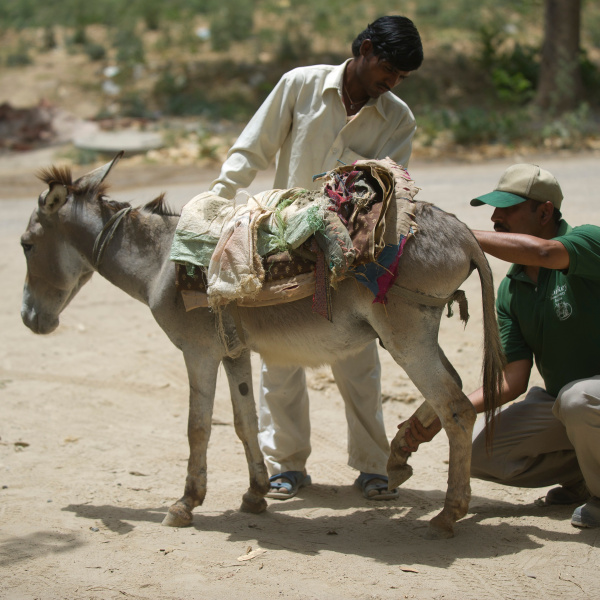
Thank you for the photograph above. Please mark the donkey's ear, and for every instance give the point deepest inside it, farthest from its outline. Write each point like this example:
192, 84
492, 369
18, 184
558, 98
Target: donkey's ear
94, 178
54, 198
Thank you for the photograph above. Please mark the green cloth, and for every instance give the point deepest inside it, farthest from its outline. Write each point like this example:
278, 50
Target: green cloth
295, 215
556, 321
299, 214
199, 229
193, 248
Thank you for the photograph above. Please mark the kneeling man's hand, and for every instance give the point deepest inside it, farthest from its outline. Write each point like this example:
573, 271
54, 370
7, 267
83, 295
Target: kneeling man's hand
416, 433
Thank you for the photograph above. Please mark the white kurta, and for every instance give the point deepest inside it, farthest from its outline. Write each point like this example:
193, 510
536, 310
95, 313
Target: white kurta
304, 120
304, 126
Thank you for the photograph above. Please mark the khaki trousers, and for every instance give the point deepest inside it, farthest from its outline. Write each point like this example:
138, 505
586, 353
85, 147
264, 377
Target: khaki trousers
542, 441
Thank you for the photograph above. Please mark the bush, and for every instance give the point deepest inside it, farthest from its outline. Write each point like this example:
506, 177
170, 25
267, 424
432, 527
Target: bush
79, 37
20, 56
18, 59
431, 123
293, 46
134, 105
590, 76
475, 125
514, 71
512, 88
95, 51
49, 41
570, 128
129, 46
232, 21
217, 90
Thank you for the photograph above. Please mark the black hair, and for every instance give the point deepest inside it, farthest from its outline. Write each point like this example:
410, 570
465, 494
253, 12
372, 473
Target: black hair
394, 39
556, 214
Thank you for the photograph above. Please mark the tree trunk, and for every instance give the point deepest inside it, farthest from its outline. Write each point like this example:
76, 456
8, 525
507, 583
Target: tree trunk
559, 87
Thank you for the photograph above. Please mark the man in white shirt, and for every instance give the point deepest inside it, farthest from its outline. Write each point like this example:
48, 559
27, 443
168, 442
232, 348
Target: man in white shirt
315, 118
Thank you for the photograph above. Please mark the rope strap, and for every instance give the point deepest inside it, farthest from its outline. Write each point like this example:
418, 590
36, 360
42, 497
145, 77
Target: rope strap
111, 226
420, 298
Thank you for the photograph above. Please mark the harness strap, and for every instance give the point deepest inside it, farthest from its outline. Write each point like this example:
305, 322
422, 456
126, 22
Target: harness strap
237, 319
420, 298
110, 226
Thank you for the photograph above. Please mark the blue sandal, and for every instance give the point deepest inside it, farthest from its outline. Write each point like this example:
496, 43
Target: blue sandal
375, 487
282, 490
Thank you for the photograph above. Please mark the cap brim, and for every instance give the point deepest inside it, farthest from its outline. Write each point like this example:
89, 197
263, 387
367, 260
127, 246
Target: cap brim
498, 199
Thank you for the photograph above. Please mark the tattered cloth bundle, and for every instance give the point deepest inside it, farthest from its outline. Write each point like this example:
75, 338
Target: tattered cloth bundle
356, 225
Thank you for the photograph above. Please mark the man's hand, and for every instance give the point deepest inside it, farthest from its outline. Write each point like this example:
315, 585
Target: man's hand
416, 433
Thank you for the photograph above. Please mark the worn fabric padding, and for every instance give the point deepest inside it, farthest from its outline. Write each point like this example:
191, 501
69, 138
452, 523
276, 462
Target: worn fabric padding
276, 226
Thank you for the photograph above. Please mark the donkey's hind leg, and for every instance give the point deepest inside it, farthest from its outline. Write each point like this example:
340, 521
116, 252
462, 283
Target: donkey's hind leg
239, 375
397, 468
423, 363
457, 415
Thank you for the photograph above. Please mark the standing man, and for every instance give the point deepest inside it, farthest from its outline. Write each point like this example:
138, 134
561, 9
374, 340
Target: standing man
315, 118
548, 312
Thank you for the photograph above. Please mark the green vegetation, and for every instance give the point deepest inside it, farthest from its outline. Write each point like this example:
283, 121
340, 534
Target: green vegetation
218, 59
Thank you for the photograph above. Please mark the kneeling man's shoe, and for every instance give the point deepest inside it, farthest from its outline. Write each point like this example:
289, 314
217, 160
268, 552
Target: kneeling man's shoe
587, 515
568, 494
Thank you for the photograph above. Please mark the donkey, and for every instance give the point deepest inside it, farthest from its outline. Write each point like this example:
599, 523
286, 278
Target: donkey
76, 230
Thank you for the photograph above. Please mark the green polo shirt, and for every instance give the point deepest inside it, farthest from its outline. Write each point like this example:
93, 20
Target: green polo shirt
557, 321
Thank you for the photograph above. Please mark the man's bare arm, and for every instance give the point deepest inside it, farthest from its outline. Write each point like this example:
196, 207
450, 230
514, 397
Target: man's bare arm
524, 249
515, 382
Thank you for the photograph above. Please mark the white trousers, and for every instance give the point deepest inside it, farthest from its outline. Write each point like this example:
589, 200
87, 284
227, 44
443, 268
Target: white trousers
542, 440
284, 421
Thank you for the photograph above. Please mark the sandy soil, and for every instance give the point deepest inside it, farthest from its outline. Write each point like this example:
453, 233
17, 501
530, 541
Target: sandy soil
93, 450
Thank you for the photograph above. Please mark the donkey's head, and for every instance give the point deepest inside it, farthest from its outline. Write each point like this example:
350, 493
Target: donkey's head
56, 268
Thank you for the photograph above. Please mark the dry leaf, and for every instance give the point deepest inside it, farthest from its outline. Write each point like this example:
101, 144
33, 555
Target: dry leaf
408, 570
251, 555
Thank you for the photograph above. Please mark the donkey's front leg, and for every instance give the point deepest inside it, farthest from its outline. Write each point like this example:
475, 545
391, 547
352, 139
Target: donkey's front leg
203, 381
239, 375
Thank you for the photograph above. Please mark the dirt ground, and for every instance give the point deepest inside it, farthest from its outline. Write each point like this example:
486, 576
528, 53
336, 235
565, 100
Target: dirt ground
93, 450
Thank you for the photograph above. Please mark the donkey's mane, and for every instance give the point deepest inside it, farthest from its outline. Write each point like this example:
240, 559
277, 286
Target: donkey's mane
54, 174
63, 176
159, 206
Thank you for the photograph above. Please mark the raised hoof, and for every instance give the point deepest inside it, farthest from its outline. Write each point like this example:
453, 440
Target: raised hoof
178, 516
439, 529
398, 475
253, 505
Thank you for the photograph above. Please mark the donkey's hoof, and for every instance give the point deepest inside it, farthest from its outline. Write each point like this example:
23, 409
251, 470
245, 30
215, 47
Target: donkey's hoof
397, 475
178, 516
439, 529
252, 504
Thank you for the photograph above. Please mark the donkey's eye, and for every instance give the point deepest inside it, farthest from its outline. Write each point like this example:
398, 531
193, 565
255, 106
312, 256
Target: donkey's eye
26, 247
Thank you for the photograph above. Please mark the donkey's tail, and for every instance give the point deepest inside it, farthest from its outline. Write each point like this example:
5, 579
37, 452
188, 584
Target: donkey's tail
493, 355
